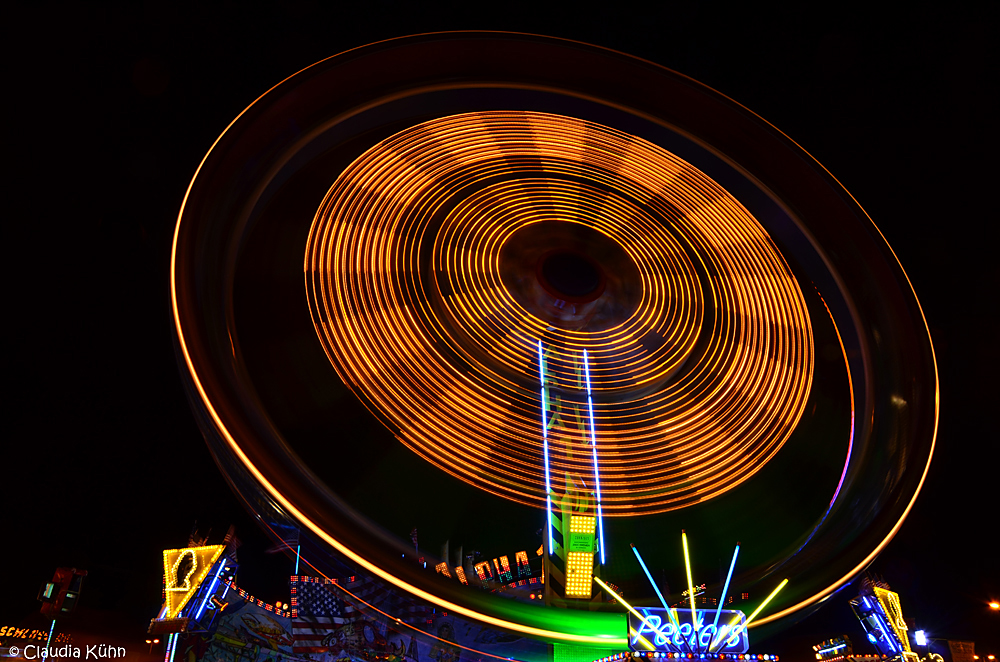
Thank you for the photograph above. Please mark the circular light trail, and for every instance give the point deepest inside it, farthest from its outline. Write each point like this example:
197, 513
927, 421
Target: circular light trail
435, 326
236, 195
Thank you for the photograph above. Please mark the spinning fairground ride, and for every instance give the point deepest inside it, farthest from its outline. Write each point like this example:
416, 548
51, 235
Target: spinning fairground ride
547, 305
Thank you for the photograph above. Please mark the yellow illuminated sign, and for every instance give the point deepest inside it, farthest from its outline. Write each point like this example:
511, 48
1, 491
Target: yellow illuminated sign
184, 570
17, 632
460, 571
894, 613
579, 573
580, 556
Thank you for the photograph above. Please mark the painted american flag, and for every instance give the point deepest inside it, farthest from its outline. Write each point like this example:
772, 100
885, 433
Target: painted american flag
320, 612
322, 609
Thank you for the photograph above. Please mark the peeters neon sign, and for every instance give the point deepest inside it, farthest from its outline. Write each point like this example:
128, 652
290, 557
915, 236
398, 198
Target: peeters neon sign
675, 631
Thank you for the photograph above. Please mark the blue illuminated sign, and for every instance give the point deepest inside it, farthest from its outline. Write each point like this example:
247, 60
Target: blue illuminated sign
657, 630
881, 616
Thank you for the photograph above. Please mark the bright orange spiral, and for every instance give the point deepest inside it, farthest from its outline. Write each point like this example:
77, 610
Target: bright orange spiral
696, 386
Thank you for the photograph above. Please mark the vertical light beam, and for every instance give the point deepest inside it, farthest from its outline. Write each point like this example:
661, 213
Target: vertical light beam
687, 567
593, 445
171, 644
725, 589
545, 447
298, 554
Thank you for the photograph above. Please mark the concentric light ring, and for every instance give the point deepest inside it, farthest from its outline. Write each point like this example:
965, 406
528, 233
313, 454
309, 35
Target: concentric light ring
696, 389
330, 110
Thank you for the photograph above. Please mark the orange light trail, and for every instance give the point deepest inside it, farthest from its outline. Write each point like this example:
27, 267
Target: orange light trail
693, 393
199, 373
401, 623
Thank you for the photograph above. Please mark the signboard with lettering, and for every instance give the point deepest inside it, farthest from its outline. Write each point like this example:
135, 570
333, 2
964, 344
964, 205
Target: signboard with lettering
27, 634
962, 651
659, 630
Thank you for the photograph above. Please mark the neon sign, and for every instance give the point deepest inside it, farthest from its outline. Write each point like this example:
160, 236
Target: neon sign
881, 616
183, 572
678, 632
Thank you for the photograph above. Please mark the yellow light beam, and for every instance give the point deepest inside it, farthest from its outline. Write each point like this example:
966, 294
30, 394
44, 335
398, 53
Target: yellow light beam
687, 567
631, 609
769, 598
721, 635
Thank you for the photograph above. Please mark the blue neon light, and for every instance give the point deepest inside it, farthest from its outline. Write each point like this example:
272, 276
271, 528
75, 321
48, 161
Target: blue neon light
52, 628
874, 620
593, 442
656, 588
298, 552
831, 648
211, 590
725, 589
545, 446
171, 645
885, 631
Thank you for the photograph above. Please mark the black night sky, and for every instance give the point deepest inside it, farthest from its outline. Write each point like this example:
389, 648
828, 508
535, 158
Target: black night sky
110, 108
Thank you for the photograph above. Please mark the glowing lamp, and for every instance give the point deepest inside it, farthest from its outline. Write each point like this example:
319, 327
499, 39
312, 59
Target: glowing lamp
920, 637
995, 605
